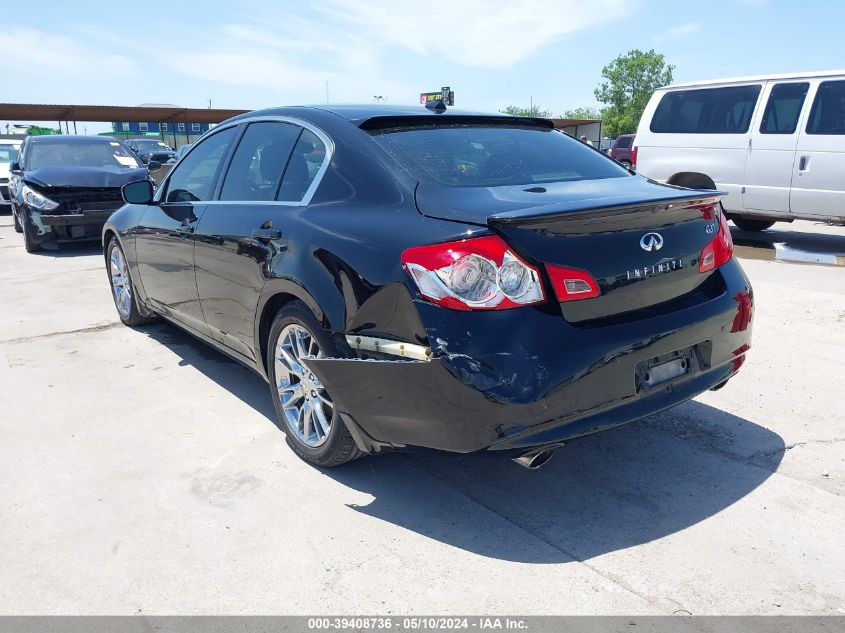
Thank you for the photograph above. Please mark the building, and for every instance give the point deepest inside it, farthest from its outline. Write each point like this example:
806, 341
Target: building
174, 133
591, 128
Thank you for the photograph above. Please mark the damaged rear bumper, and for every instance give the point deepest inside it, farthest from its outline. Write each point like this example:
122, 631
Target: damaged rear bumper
517, 379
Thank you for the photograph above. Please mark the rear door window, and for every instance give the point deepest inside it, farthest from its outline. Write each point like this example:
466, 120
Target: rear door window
304, 165
193, 179
706, 111
828, 113
784, 108
259, 161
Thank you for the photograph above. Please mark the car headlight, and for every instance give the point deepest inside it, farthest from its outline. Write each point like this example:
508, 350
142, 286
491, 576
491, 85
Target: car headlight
37, 201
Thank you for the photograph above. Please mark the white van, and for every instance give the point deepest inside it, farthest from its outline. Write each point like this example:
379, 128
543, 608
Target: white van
775, 144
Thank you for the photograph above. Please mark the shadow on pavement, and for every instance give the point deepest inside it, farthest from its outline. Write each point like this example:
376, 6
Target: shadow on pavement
602, 493
226, 372
798, 240
71, 249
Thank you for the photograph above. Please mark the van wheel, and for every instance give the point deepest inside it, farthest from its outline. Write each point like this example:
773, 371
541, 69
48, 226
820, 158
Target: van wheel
305, 409
752, 225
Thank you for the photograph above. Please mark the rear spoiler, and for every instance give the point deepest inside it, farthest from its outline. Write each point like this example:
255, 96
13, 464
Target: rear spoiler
439, 120
609, 206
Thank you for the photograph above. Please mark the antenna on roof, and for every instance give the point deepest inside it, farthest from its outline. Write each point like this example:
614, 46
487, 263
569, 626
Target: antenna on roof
436, 105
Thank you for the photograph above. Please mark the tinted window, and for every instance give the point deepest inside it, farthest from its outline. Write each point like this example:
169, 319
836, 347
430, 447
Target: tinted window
305, 161
8, 153
784, 108
707, 111
193, 178
95, 153
828, 113
258, 163
151, 146
489, 156
624, 142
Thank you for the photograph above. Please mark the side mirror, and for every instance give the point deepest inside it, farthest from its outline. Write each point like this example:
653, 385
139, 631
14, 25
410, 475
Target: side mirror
152, 165
138, 192
15, 167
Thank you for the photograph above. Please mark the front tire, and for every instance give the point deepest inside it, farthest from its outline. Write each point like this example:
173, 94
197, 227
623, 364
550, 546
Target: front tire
304, 408
747, 224
122, 290
18, 227
29, 242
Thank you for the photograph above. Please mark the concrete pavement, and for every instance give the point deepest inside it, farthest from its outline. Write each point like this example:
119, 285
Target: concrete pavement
140, 472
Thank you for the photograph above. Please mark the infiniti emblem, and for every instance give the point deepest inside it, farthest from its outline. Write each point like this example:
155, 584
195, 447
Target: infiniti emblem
651, 242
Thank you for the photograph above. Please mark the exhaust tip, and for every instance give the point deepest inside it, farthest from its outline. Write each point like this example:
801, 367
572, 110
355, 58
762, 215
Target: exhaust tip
535, 459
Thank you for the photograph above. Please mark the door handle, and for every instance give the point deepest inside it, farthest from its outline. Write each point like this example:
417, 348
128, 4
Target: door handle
803, 162
266, 235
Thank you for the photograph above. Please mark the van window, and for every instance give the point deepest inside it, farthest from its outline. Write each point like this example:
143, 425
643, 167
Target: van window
828, 113
784, 108
706, 111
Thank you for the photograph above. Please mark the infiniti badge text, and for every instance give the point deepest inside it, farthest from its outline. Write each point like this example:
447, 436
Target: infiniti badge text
656, 269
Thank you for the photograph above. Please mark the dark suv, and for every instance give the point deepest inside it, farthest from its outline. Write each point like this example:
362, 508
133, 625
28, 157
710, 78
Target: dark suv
621, 149
150, 149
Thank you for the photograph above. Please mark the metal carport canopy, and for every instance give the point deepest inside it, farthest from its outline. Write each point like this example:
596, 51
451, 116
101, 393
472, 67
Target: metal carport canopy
49, 112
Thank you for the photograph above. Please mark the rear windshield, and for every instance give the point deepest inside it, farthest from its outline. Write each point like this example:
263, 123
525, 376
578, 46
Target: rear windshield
490, 156
80, 154
624, 142
707, 111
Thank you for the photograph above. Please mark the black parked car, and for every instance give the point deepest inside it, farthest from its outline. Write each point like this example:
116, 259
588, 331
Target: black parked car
405, 277
148, 149
67, 186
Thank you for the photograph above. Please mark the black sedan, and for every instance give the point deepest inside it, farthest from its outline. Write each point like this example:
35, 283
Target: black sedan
406, 277
67, 186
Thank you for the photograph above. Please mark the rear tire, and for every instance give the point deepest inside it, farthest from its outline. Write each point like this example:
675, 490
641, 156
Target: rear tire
296, 334
747, 224
625, 164
122, 289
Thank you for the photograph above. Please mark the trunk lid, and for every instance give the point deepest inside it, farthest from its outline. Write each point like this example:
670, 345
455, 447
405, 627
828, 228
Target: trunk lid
610, 228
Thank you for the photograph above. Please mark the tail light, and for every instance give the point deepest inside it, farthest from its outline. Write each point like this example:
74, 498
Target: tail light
718, 251
479, 273
572, 284
634, 158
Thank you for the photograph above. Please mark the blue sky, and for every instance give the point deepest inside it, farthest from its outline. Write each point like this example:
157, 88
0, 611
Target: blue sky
253, 54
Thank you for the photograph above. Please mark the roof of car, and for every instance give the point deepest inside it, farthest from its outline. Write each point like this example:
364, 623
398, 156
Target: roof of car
359, 113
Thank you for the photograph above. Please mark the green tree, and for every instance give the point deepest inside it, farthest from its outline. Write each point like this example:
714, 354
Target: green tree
629, 83
534, 110
581, 113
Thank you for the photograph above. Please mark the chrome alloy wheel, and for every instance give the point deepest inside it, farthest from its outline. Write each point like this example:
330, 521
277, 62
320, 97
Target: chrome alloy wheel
308, 408
121, 286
